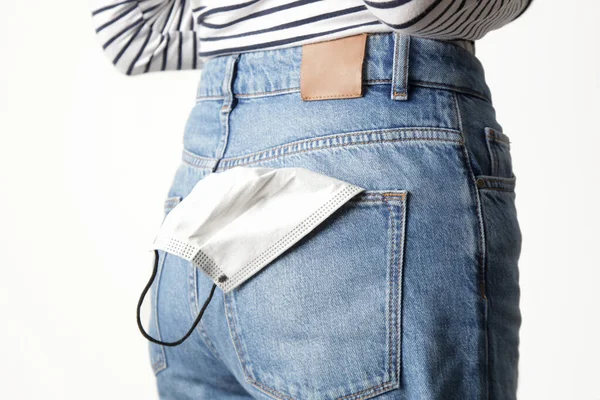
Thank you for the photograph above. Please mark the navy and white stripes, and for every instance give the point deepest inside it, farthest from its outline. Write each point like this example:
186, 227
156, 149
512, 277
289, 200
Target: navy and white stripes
141, 36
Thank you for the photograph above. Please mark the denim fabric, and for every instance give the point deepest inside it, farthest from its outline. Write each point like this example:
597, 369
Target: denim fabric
409, 291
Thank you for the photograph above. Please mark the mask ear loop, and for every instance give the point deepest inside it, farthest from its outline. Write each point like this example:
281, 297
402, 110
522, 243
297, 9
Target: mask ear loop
141, 300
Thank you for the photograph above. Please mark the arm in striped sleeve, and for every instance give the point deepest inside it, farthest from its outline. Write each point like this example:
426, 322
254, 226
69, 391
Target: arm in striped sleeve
141, 36
446, 19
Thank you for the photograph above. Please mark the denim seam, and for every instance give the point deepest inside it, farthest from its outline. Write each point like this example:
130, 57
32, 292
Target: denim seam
391, 220
453, 88
494, 170
228, 103
198, 161
262, 155
498, 190
368, 82
493, 156
486, 308
498, 136
498, 183
230, 317
297, 89
396, 274
400, 302
497, 143
195, 309
373, 391
482, 244
333, 147
397, 247
259, 156
208, 98
268, 93
161, 364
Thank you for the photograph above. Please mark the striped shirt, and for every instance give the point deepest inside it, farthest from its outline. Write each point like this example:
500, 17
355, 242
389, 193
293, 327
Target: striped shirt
141, 36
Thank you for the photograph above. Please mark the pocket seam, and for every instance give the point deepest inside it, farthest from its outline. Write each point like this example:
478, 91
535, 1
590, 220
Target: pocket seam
495, 137
394, 300
491, 182
160, 364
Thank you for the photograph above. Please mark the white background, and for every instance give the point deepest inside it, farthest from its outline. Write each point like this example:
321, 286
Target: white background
87, 155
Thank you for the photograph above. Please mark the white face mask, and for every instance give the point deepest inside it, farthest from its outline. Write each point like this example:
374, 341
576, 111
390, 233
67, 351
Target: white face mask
233, 223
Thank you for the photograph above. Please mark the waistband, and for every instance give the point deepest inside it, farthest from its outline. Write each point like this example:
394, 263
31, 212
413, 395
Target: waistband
390, 58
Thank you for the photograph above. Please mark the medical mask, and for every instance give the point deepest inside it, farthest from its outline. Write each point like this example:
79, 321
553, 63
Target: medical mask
234, 223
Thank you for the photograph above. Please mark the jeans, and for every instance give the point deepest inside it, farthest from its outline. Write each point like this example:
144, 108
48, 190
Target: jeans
408, 292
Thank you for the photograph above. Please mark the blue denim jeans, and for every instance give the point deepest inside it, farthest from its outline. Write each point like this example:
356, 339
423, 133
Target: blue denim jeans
408, 292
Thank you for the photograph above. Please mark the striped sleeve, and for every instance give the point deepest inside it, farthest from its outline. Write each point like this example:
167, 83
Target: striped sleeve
446, 19
140, 36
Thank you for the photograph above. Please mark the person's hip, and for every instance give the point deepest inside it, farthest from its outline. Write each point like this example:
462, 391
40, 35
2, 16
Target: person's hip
412, 288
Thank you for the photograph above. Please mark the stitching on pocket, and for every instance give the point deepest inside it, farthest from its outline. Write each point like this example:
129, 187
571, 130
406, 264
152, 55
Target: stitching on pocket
396, 204
498, 146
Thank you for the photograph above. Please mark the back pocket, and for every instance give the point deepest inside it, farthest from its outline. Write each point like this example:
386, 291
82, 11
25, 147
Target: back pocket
323, 320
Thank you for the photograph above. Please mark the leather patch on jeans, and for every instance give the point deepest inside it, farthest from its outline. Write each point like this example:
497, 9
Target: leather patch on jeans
332, 69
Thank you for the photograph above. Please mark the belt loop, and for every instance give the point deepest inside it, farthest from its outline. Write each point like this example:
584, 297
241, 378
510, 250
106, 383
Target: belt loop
400, 67
229, 101
228, 79
227, 83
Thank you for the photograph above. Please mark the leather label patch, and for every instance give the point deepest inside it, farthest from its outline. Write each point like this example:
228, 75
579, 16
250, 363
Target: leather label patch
332, 69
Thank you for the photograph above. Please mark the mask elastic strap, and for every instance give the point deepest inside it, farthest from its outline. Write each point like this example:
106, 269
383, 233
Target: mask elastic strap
141, 300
